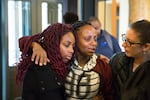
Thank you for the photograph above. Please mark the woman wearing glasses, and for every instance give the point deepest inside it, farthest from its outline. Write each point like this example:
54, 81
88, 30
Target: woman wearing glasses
131, 69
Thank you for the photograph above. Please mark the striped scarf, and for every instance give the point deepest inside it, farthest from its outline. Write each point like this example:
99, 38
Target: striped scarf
82, 83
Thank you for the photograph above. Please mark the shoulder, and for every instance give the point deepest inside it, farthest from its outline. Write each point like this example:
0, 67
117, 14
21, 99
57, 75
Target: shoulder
102, 67
105, 32
36, 67
109, 34
118, 57
120, 62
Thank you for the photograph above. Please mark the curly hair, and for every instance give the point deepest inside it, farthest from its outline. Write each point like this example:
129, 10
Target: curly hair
49, 39
70, 17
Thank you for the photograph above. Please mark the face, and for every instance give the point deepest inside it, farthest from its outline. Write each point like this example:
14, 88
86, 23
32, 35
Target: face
67, 46
132, 45
87, 40
97, 26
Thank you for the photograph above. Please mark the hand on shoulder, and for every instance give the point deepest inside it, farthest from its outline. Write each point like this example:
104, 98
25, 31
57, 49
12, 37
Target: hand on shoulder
104, 58
39, 55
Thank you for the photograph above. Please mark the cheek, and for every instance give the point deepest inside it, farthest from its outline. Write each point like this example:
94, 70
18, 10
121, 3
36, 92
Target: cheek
82, 48
62, 51
133, 52
81, 45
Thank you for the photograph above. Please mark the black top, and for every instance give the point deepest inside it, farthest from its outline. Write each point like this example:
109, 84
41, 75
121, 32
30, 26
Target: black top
42, 83
130, 85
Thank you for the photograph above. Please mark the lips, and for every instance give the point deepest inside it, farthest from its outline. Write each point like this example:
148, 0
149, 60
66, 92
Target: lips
69, 57
92, 50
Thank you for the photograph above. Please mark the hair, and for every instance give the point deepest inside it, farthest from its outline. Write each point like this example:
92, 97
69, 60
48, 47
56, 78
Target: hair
79, 24
70, 18
76, 26
93, 18
142, 28
49, 39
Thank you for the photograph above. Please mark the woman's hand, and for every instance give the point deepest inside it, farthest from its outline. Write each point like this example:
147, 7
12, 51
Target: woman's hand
39, 55
104, 58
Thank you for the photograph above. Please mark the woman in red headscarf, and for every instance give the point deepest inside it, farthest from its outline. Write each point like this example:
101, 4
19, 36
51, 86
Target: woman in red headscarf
43, 83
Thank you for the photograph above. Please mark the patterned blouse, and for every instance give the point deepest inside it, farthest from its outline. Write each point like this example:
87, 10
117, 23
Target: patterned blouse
82, 83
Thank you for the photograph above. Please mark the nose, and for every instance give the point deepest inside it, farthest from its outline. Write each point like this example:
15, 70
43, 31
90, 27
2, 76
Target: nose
94, 43
71, 49
124, 44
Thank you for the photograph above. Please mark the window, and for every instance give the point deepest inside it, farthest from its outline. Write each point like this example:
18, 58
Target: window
18, 25
44, 15
60, 12
48, 13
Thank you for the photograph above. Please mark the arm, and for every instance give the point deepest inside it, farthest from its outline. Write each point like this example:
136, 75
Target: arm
39, 55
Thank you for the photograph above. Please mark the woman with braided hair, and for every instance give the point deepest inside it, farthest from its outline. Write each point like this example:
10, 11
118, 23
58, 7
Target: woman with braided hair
43, 83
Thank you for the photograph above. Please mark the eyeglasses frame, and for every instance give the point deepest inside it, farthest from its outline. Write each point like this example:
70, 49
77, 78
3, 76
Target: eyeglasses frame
129, 43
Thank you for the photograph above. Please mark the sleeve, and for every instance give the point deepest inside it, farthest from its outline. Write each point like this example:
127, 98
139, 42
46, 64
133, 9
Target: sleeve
113, 62
116, 46
26, 41
29, 86
105, 71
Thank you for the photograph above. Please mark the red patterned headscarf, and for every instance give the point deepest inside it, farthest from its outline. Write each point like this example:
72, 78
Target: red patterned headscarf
49, 39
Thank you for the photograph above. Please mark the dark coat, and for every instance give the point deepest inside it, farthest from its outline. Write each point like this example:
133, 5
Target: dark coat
42, 83
130, 85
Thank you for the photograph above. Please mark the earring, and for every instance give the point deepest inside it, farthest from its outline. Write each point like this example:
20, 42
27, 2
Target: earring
144, 52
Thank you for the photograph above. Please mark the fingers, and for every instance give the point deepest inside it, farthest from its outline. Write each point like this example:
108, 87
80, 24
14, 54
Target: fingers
46, 60
35, 57
43, 60
40, 58
39, 55
102, 57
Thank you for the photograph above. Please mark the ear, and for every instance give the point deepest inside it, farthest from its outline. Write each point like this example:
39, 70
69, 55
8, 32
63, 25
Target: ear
146, 47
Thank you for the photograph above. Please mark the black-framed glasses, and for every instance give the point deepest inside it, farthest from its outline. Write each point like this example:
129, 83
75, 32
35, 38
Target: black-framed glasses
129, 43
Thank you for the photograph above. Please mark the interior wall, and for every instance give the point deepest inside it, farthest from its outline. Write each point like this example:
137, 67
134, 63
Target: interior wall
140, 10
148, 7
105, 15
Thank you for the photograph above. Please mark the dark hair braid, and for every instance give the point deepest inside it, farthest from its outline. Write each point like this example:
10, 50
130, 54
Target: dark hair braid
50, 40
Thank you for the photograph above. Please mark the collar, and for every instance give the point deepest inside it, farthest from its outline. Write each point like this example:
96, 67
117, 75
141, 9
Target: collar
88, 66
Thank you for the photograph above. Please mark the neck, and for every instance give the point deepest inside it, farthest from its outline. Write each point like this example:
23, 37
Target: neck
139, 60
82, 59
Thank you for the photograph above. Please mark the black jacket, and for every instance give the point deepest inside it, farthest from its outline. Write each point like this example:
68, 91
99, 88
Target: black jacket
42, 83
130, 85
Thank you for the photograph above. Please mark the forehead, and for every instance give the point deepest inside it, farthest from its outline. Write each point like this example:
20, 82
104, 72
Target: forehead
132, 35
68, 37
86, 28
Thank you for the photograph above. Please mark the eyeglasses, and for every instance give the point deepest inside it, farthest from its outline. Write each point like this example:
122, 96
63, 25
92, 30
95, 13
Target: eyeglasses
129, 43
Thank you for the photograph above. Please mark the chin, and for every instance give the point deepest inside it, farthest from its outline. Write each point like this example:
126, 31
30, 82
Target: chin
65, 61
90, 54
128, 54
